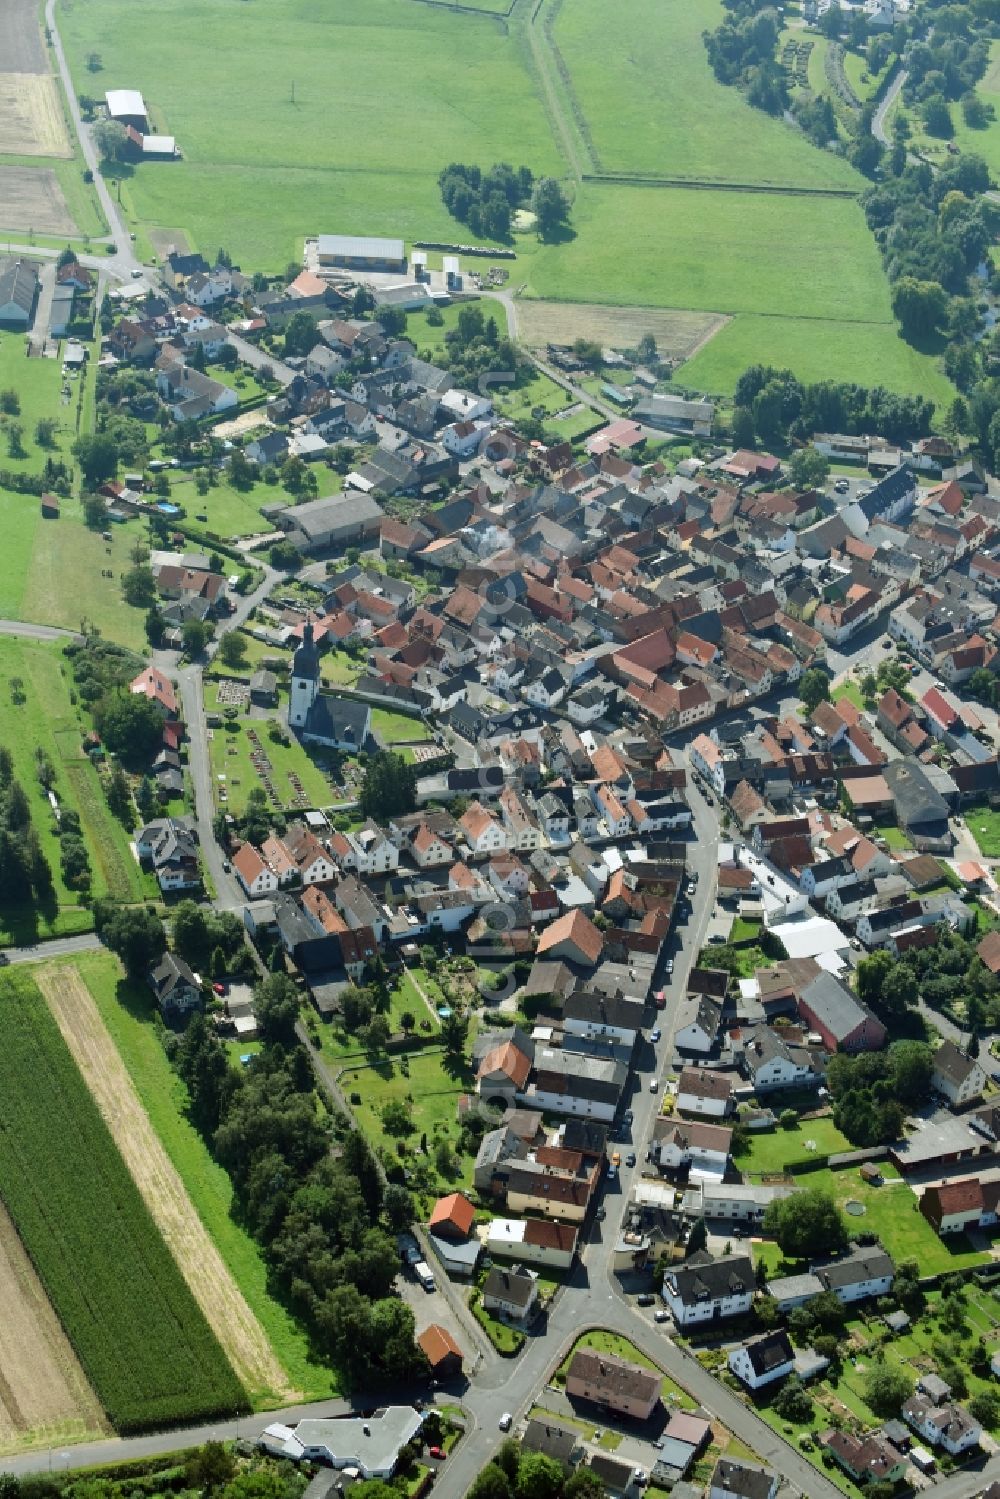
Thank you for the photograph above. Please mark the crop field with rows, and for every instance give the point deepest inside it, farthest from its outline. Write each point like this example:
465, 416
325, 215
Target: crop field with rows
143, 1343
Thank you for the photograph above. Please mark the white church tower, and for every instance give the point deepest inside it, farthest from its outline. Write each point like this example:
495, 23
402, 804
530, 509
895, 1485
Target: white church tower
305, 679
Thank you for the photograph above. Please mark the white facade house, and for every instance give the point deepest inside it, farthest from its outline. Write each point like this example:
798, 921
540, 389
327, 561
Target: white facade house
864, 1273
949, 1426
706, 1290
706, 759
698, 1021
764, 1360
532, 1241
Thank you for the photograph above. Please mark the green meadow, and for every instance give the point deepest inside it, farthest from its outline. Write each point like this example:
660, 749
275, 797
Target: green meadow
685, 124
340, 119
716, 251
817, 349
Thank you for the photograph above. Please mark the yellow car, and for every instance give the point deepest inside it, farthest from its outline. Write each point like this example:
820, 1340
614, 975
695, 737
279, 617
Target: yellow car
616, 1158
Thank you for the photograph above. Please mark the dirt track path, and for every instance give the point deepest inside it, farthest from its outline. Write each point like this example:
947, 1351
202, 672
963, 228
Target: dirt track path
212, 1285
45, 1399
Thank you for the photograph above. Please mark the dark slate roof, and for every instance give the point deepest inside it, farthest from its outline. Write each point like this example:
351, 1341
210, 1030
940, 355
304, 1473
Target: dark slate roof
702, 1278
886, 493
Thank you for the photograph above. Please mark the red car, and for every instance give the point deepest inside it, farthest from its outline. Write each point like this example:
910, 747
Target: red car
437, 1452
219, 988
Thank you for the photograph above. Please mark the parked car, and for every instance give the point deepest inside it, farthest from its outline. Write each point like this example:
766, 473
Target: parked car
668, 969
655, 1034
661, 1314
628, 1116
654, 1085
646, 1299
612, 1173
691, 887
616, 1158
437, 1452
506, 1421
219, 988
630, 1158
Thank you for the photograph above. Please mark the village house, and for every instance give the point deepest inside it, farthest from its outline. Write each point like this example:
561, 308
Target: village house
706, 1290
612, 1383
764, 1360
959, 1078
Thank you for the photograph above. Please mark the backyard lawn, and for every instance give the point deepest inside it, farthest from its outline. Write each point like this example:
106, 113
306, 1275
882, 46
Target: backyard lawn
399, 728
235, 775
852, 692
891, 1213
421, 1080
894, 836
771, 1149
984, 825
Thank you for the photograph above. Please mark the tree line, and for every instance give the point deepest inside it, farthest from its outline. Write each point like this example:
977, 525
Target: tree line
308, 1189
773, 406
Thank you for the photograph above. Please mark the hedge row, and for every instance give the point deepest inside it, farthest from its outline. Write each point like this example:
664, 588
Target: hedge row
140, 1336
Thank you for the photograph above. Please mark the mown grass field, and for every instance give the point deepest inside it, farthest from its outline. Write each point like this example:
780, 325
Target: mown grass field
140, 1337
715, 250
688, 125
403, 108
770, 1150
820, 348
801, 274
129, 1012
48, 719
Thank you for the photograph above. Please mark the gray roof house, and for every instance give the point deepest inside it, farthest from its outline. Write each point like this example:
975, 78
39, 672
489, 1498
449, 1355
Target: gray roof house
177, 990
18, 289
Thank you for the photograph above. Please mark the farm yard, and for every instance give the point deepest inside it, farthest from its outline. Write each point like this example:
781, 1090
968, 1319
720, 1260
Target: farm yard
242, 1338
129, 1014
44, 1395
139, 1334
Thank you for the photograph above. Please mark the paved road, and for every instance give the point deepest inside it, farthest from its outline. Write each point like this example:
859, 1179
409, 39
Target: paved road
54, 947
36, 632
879, 118
124, 261
229, 894
250, 354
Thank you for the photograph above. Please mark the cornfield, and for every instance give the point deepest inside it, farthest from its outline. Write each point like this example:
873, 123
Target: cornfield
143, 1342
